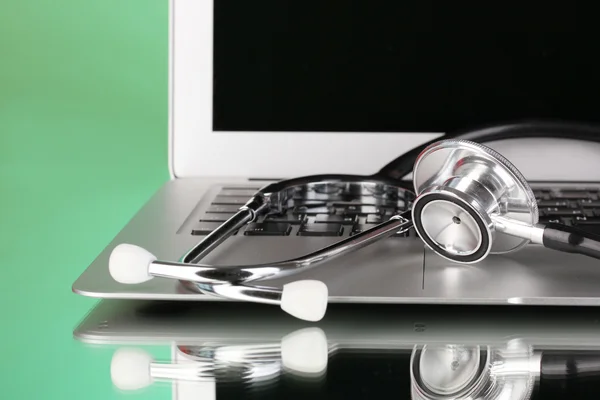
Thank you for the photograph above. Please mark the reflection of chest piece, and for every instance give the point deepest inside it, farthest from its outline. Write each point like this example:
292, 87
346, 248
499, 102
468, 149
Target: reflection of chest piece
456, 367
461, 372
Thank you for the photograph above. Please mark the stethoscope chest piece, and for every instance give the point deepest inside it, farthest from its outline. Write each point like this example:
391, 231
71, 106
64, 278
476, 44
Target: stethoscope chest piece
463, 189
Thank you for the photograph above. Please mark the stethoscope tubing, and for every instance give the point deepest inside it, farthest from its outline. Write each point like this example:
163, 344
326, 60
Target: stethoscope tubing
206, 274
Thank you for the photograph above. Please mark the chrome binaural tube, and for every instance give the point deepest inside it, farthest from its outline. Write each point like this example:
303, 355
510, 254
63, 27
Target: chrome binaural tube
210, 274
246, 214
304, 299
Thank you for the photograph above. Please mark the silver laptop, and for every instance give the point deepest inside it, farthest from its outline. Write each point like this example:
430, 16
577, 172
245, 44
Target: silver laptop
260, 92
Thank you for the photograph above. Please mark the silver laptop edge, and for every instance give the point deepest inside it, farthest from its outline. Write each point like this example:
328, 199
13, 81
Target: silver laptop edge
125, 322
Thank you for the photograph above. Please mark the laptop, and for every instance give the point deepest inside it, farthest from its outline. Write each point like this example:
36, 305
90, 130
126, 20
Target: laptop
277, 89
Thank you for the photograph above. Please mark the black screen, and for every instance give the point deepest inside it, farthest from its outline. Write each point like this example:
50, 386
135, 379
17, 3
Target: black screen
401, 65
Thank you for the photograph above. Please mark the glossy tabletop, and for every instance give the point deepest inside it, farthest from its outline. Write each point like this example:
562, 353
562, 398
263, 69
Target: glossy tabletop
193, 350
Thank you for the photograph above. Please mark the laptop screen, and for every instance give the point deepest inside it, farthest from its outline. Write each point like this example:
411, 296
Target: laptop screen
400, 66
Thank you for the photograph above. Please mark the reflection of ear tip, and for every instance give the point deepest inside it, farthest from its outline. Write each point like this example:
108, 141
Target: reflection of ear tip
305, 299
305, 351
130, 369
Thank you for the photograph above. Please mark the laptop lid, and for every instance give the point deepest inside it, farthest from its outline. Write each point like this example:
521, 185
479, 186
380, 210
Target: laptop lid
275, 89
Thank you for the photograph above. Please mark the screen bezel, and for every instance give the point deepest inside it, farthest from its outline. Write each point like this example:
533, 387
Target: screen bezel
195, 150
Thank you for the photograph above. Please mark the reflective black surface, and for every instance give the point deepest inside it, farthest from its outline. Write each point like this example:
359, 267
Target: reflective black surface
238, 351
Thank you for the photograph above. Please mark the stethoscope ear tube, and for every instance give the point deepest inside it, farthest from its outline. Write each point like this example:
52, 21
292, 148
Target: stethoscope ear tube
304, 299
404, 164
571, 240
245, 214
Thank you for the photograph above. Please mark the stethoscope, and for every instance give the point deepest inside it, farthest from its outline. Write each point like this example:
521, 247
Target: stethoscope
469, 202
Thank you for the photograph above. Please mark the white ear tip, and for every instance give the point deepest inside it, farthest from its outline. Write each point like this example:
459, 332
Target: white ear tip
305, 300
129, 264
130, 369
305, 351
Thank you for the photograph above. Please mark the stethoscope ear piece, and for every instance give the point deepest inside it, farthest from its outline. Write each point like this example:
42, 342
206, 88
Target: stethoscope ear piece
306, 299
129, 264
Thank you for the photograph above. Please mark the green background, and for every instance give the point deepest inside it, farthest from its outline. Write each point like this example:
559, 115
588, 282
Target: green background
83, 144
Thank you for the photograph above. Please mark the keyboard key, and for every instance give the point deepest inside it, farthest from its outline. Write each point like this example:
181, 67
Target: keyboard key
541, 195
375, 219
570, 194
361, 210
333, 219
358, 228
223, 209
204, 228
587, 221
321, 230
241, 192
215, 217
345, 204
547, 220
228, 200
589, 203
567, 212
313, 210
553, 203
286, 218
268, 229
388, 212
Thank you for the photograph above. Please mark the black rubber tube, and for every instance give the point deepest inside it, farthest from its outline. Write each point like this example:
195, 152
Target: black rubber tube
571, 240
403, 165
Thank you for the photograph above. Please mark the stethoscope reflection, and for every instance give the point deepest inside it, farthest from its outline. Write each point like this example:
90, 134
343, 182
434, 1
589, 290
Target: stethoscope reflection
437, 372
444, 372
513, 370
303, 353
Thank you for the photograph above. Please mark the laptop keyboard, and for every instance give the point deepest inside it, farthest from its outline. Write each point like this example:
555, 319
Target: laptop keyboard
333, 212
580, 208
319, 212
